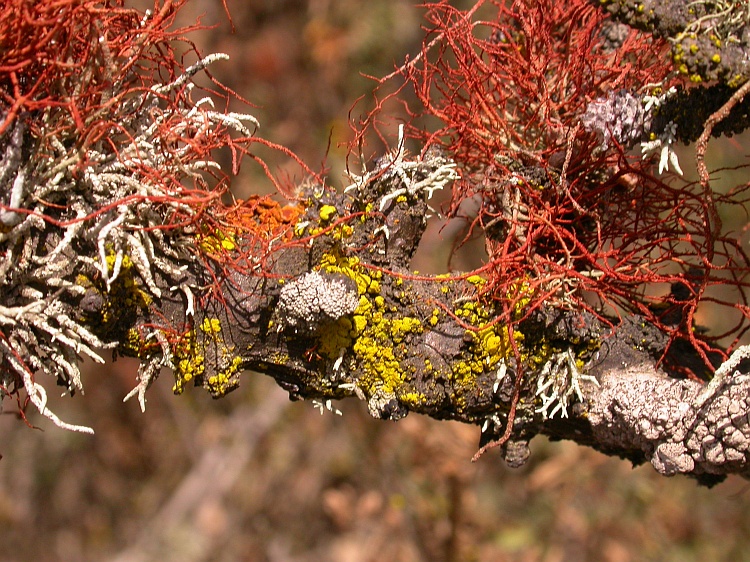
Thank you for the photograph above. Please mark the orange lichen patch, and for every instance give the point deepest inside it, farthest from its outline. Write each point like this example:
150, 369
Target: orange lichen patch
261, 214
262, 217
247, 231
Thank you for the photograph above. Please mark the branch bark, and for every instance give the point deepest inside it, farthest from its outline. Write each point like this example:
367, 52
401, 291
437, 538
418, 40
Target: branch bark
407, 343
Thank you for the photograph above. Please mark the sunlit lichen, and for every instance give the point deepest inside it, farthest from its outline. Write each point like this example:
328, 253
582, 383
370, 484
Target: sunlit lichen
188, 362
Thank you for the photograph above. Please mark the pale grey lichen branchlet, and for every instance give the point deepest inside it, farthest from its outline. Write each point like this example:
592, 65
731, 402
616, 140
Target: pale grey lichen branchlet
61, 206
442, 172
559, 384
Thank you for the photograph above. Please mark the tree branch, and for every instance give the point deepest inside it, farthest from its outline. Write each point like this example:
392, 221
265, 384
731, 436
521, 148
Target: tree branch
408, 343
114, 235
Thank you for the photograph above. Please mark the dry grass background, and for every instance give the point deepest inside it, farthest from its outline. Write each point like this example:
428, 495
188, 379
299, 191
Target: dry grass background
254, 477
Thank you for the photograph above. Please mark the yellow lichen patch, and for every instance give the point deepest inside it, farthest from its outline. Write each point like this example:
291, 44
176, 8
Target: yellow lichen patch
381, 368
332, 262
476, 280
211, 325
372, 336
187, 361
435, 317
136, 345
342, 231
334, 337
520, 294
412, 399
380, 353
489, 344
360, 323
364, 307
217, 241
374, 287
121, 301
327, 212
400, 327
224, 381
125, 288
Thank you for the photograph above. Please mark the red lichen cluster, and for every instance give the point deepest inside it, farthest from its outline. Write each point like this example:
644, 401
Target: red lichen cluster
71, 54
71, 70
571, 221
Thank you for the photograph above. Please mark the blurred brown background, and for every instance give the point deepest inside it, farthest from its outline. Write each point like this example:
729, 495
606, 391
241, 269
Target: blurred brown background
254, 477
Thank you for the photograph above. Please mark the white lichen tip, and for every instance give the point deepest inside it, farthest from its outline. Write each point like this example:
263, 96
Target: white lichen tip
559, 383
440, 171
327, 405
740, 354
664, 144
655, 102
502, 371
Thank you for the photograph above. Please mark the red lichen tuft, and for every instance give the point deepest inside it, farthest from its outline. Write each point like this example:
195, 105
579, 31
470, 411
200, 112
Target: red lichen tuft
573, 221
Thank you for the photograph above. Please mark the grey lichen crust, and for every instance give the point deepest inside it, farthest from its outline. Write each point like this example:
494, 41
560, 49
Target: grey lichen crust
620, 117
673, 423
315, 298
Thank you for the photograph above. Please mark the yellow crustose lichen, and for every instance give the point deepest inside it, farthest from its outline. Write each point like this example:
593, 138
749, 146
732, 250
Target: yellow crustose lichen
376, 339
187, 361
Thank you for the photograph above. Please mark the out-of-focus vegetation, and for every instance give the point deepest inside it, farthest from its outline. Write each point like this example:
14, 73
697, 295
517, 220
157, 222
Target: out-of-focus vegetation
254, 477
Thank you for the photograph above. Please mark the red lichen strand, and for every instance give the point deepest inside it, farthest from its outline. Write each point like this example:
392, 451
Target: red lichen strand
578, 223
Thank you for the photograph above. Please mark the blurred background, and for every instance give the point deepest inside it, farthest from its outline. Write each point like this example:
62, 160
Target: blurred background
256, 478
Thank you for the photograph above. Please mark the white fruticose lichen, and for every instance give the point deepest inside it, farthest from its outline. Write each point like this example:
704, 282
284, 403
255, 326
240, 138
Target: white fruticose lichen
108, 210
409, 172
327, 405
739, 355
654, 102
315, 298
664, 145
492, 421
502, 372
558, 383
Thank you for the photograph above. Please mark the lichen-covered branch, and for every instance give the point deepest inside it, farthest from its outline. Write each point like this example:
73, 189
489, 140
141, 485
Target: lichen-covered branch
709, 39
338, 313
330, 309
114, 235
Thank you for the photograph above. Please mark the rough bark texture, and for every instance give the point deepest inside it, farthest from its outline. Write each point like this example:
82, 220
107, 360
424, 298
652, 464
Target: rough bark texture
411, 345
